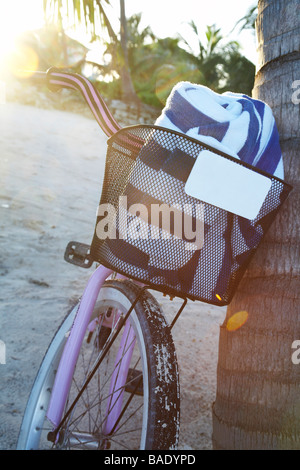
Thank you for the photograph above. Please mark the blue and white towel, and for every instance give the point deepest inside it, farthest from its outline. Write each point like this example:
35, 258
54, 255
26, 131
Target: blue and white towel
231, 122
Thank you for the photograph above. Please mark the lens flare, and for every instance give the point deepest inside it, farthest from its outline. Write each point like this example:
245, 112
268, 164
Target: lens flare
165, 81
23, 61
16, 19
237, 320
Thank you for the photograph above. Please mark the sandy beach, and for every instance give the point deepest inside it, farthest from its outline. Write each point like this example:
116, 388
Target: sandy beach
52, 165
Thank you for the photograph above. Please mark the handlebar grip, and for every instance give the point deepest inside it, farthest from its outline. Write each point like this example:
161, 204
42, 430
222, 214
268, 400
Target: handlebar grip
55, 87
39, 75
35, 77
44, 78
57, 79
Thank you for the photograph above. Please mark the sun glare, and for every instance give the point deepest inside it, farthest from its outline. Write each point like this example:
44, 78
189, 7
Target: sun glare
15, 18
237, 320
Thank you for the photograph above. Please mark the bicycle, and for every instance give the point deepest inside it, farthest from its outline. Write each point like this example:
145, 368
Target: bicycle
109, 379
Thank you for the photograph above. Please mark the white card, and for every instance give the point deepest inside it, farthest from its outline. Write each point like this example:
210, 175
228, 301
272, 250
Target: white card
228, 185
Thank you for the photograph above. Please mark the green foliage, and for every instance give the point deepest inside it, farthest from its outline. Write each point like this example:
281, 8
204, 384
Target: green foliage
84, 11
248, 21
222, 65
111, 90
239, 73
156, 65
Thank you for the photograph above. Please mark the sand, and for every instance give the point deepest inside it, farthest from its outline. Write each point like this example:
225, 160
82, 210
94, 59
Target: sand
52, 166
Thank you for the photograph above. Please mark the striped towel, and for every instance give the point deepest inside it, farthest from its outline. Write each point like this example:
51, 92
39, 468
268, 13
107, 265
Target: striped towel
233, 123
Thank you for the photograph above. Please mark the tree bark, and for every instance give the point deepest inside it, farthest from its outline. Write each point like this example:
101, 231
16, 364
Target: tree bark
258, 386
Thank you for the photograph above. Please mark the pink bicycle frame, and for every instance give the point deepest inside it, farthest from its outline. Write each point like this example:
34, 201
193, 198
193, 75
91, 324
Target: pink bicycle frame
60, 391
70, 354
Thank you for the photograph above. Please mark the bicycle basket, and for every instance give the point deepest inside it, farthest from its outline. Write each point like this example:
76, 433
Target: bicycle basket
149, 229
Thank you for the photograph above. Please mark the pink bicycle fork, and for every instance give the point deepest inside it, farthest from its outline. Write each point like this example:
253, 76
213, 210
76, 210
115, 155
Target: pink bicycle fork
70, 354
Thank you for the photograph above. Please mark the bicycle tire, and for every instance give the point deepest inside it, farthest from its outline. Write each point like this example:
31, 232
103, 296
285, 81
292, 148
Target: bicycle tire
158, 428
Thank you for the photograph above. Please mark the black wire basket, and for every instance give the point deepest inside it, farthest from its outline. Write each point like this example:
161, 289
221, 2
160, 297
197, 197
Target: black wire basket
149, 229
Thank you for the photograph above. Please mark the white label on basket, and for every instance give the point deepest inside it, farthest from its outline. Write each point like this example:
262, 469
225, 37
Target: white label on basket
228, 185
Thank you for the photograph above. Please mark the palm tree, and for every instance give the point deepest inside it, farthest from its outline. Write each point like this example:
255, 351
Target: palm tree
85, 11
248, 21
208, 56
222, 66
258, 386
127, 85
156, 64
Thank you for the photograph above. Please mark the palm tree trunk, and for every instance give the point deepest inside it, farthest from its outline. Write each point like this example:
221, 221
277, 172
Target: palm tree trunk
128, 92
258, 386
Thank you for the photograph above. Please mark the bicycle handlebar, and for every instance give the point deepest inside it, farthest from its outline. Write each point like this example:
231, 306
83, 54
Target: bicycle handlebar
57, 78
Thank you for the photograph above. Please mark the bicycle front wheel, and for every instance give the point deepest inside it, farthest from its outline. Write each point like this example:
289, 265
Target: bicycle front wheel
132, 401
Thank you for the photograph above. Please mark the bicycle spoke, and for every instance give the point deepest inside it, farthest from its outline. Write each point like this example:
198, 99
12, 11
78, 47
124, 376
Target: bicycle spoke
106, 407
89, 402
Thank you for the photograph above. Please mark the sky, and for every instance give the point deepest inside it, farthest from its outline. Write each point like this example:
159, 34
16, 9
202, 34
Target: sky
165, 17
168, 17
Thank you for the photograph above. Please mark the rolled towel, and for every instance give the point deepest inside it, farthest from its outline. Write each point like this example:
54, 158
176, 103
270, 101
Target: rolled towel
231, 122
241, 127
